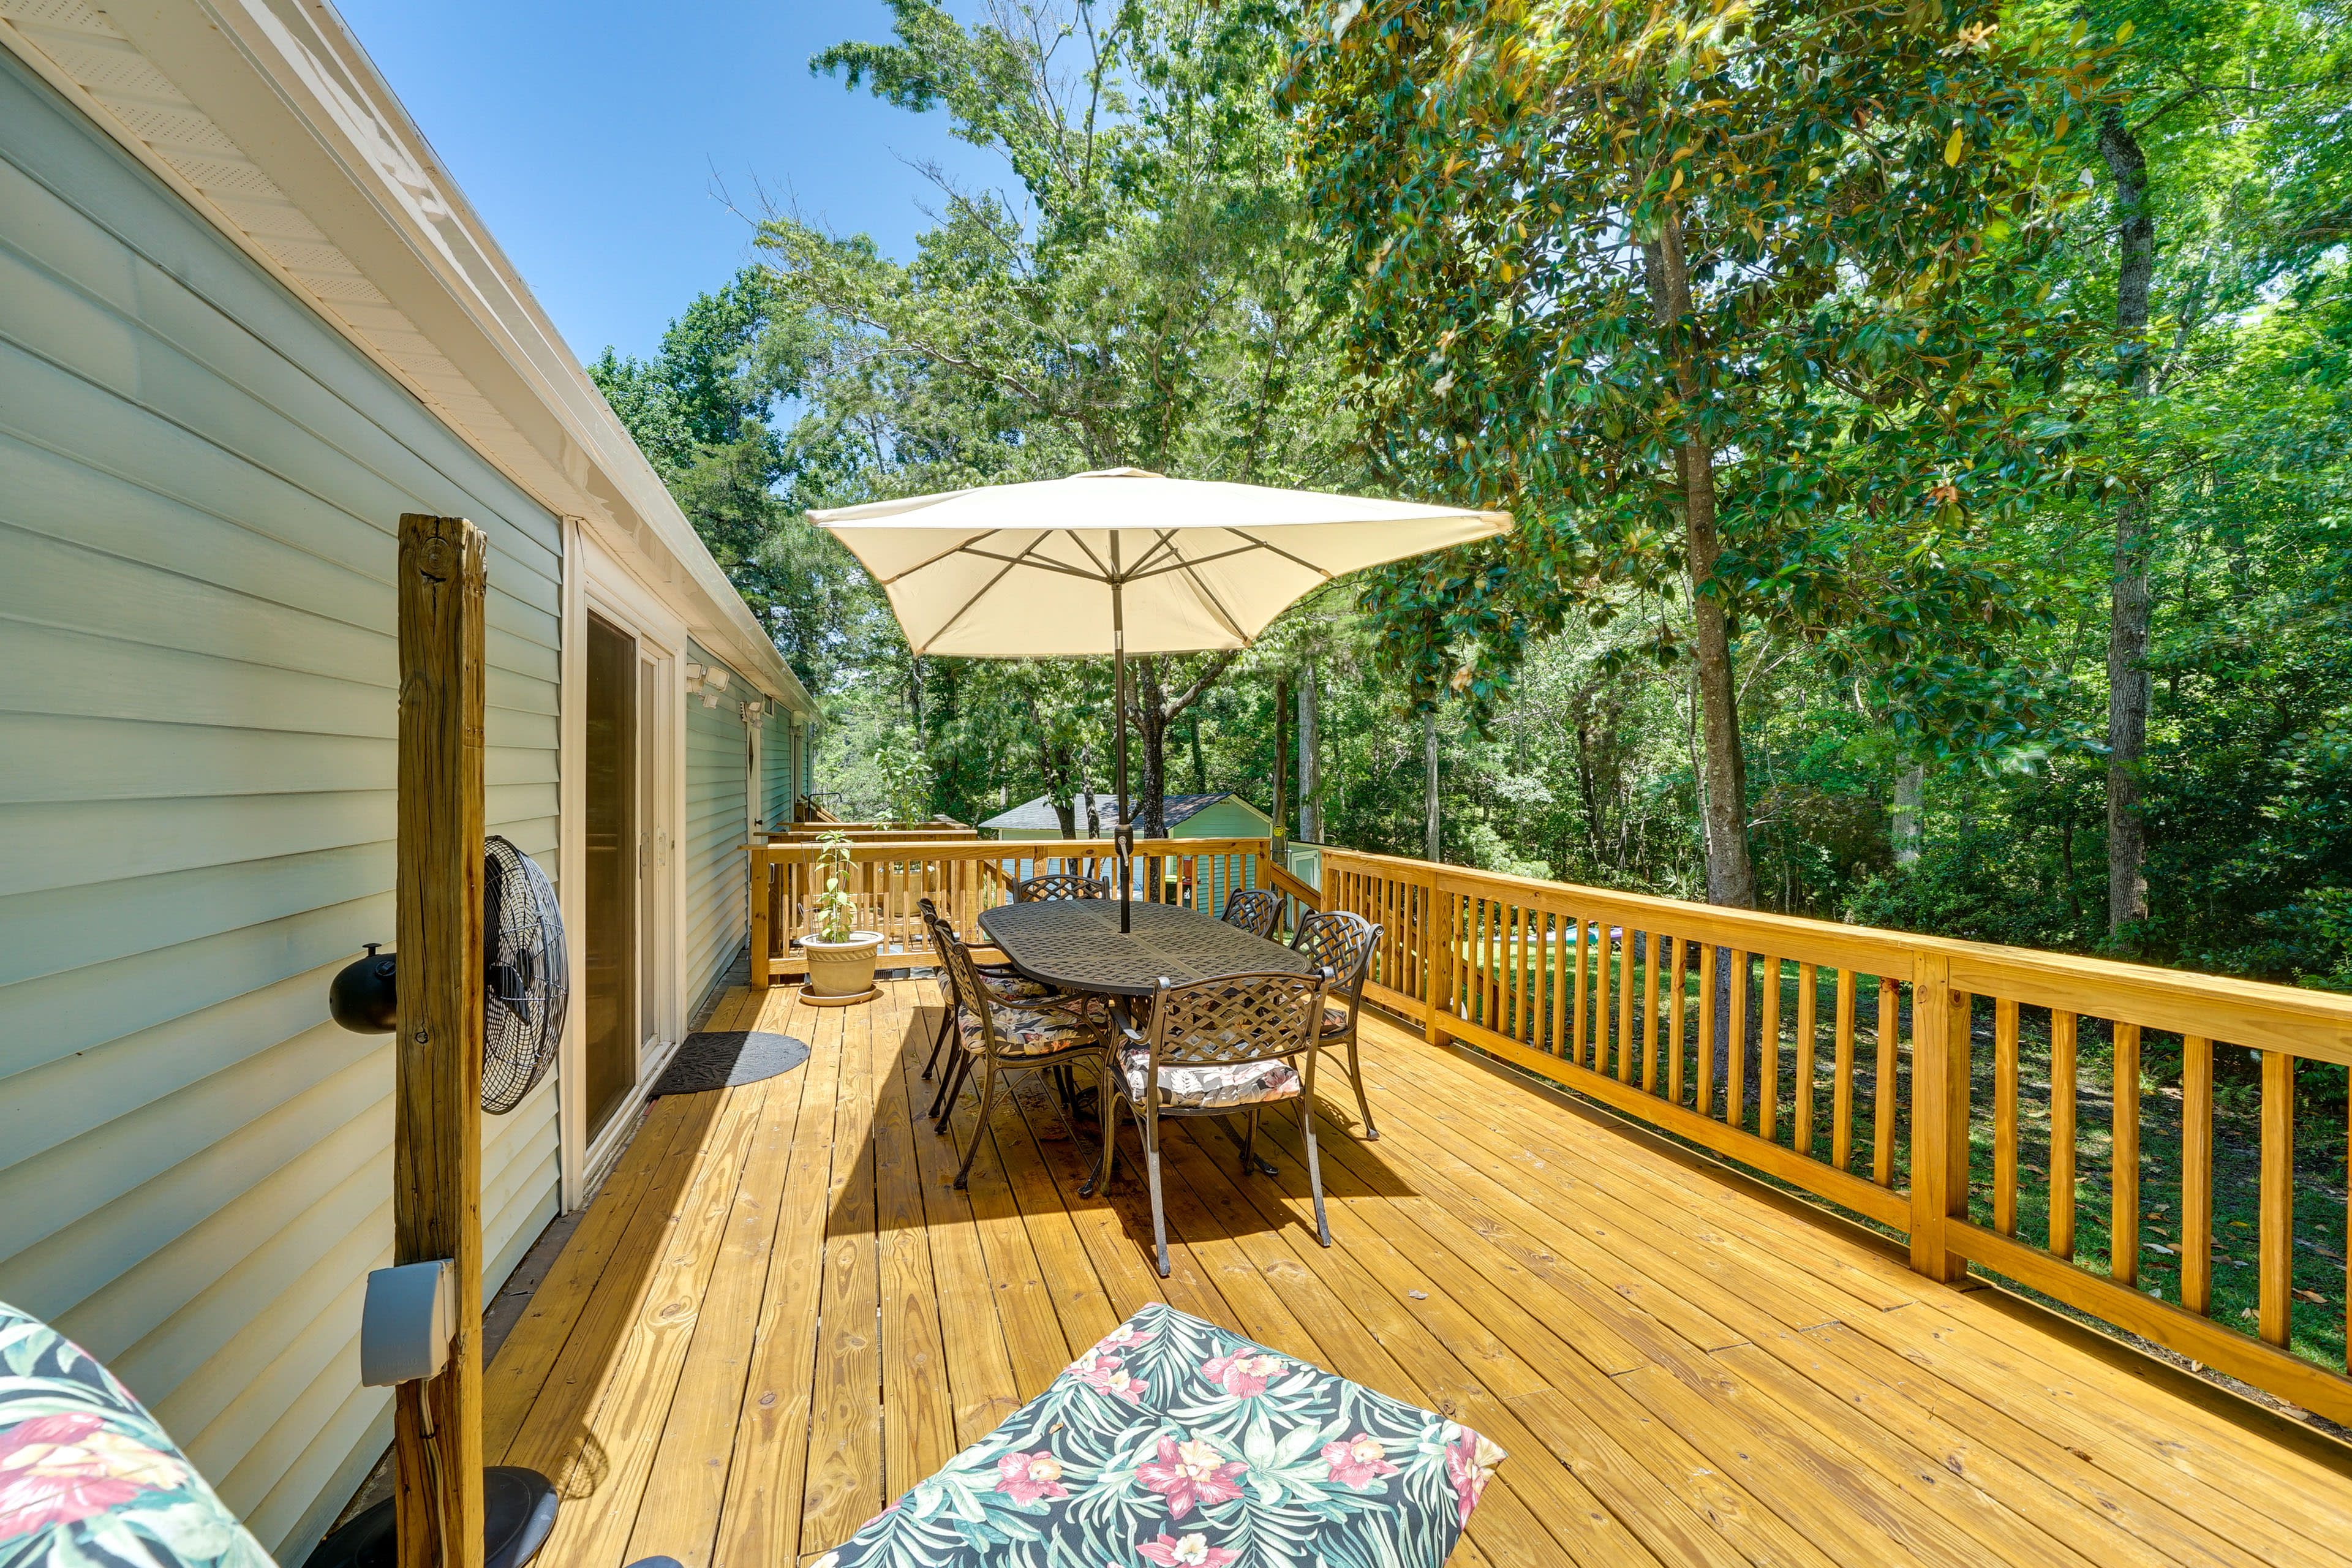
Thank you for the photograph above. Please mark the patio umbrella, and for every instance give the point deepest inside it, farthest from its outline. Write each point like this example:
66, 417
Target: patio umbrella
1121, 562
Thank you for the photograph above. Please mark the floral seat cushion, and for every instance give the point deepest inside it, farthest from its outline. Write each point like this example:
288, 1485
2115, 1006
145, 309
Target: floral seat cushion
1335, 1020
1210, 1086
1025, 1032
1009, 987
1173, 1442
87, 1478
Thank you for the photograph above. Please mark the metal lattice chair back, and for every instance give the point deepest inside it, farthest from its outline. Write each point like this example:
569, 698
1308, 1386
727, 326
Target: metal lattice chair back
1255, 910
1237, 1018
1341, 941
1059, 885
963, 977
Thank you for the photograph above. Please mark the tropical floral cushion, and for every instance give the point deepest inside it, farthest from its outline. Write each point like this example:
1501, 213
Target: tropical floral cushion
1211, 1086
1024, 1032
1173, 1442
1007, 986
1335, 1020
87, 1478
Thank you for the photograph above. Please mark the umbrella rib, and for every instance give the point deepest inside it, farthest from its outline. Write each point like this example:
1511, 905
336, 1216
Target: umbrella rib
978, 594
1208, 595
942, 555
1163, 541
1039, 565
1106, 575
1183, 565
1278, 550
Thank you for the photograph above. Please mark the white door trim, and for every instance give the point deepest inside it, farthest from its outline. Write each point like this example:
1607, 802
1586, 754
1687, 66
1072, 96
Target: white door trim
595, 581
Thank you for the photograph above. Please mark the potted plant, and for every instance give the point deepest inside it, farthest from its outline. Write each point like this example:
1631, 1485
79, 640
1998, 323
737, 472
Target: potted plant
840, 957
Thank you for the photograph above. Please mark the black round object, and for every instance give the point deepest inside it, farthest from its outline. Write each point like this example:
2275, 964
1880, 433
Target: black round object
364, 997
526, 978
518, 1511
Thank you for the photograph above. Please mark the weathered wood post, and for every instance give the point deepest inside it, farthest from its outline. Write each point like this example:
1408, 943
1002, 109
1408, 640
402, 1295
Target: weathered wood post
438, 1048
760, 863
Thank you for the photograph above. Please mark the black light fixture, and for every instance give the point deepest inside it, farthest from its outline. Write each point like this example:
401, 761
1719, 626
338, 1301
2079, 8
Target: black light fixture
364, 995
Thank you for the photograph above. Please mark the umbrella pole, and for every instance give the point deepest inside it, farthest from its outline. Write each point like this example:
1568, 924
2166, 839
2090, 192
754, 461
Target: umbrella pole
1124, 834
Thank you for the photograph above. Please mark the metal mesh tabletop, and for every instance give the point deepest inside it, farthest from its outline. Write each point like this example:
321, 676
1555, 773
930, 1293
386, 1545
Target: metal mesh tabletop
1076, 945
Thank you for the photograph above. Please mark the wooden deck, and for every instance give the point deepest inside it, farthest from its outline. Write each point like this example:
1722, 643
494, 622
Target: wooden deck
778, 1313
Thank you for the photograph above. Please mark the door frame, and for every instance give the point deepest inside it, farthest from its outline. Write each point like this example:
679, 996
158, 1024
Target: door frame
594, 580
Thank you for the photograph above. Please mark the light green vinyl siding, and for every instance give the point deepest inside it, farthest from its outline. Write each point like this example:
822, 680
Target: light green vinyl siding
776, 769
1227, 818
717, 823
199, 487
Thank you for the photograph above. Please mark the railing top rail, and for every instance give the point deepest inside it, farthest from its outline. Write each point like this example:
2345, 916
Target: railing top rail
2312, 1024
797, 853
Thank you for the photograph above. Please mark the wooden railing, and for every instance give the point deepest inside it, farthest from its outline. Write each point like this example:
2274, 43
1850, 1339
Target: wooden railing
1848, 1062
1782, 1043
963, 877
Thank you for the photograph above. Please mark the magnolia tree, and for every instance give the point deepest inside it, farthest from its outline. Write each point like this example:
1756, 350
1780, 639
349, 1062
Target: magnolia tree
1739, 306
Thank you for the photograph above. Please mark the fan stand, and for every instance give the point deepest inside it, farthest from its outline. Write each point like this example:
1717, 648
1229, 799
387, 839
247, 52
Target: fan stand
518, 1512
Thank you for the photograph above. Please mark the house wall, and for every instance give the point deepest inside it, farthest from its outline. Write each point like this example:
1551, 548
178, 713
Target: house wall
776, 766
716, 872
199, 487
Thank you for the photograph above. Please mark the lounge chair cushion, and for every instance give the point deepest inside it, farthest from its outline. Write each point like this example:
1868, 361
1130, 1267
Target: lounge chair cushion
1210, 1086
1173, 1442
86, 1475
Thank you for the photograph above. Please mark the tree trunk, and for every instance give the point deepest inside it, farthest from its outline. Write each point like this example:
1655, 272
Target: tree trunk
1730, 875
1311, 776
1434, 842
1910, 793
1200, 768
1281, 756
2129, 619
1151, 727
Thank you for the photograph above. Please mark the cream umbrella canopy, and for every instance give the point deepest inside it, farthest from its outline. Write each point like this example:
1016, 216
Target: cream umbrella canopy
1122, 560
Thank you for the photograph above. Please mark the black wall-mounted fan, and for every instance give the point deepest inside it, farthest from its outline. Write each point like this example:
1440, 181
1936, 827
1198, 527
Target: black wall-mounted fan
526, 979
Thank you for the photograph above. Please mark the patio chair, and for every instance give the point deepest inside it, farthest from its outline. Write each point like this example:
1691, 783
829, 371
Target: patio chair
1047, 1034
1343, 943
1255, 910
1055, 885
1004, 983
1225, 1046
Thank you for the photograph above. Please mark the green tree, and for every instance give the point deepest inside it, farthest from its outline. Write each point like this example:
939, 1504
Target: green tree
1145, 293
1736, 303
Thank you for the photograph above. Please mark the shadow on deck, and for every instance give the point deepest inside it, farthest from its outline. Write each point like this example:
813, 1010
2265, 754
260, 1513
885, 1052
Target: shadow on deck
779, 1313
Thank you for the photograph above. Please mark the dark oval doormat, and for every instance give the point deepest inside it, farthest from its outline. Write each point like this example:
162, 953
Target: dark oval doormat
727, 1058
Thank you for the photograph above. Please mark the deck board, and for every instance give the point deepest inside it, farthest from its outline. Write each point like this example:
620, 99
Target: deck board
780, 1312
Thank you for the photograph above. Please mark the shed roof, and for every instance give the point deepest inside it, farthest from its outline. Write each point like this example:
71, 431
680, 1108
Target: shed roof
1037, 817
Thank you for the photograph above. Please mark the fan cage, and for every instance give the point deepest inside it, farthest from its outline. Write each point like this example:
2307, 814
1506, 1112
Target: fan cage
525, 982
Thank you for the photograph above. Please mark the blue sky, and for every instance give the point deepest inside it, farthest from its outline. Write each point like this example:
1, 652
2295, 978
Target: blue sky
589, 136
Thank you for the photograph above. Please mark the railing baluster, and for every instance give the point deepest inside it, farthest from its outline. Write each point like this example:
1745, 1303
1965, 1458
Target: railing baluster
1561, 959
1883, 1098
2275, 1265
2196, 1174
1768, 1103
1652, 945
1626, 969
2123, 1223
1578, 1035
2004, 1116
2062, 1134
1809, 980
1842, 1083
1705, 1044
1735, 1098
1674, 1023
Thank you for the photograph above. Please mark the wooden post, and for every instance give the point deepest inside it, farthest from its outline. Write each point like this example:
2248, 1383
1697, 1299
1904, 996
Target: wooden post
1939, 1116
436, 1106
758, 859
1440, 959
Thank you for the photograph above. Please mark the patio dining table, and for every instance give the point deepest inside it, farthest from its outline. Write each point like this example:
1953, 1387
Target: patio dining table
1075, 944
